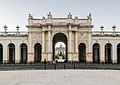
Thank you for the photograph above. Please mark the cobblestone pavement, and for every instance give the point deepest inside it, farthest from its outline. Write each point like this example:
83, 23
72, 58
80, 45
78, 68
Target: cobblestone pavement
60, 77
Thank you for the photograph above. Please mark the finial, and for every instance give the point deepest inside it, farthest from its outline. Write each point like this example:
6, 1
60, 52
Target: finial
17, 28
5, 28
113, 27
101, 28
89, 16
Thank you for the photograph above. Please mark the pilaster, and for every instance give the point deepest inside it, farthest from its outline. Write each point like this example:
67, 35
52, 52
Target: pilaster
102, 53
5, 53
30, 48
114, 54
69, 44
17, 53
89, 53
49, 44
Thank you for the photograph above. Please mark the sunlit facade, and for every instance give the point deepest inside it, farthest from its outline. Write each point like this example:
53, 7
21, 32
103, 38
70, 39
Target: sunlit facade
81, 44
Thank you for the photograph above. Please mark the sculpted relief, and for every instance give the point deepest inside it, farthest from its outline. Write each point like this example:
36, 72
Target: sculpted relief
82, 35
37, 37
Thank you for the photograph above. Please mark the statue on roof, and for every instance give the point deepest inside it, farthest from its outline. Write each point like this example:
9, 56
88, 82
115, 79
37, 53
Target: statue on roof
30, 16
89, 16
69, 16
49, 15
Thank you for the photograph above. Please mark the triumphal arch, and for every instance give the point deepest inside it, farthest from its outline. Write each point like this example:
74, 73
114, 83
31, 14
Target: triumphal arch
45, 33
60, 39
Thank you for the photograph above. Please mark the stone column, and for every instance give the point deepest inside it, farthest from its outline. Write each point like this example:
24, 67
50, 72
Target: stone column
49, 44
5, 53
89, 42
114, 54
17, 53
69, 44
49, 38
102, 53
75, 56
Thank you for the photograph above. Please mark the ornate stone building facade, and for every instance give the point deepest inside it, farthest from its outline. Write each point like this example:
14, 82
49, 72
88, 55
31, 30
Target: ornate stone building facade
38, 44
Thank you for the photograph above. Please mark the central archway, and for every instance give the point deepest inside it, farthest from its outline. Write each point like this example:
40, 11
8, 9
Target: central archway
60, 37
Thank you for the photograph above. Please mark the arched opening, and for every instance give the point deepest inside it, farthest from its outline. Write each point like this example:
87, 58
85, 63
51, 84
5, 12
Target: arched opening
37, 52
11, 47
23, 48
1, 53
60, 43
82, 52
96, 53
60, 51
108, 53
118, 53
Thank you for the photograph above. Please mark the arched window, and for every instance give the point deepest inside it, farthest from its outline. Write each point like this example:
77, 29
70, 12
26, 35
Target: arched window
11, 47
82, 52
37, 52
108, 53
23, 48
96, 53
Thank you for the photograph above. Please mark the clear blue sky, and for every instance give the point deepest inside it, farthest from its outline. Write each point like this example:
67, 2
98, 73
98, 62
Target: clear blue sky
104, 12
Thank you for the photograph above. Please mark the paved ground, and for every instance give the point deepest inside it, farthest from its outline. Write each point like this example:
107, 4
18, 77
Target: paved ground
60, 77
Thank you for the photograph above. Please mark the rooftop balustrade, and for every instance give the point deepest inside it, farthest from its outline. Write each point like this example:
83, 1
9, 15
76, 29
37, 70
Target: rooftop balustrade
57, 21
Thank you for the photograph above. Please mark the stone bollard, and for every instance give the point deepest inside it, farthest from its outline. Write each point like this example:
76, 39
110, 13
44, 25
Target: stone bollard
54, 63
45, 64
